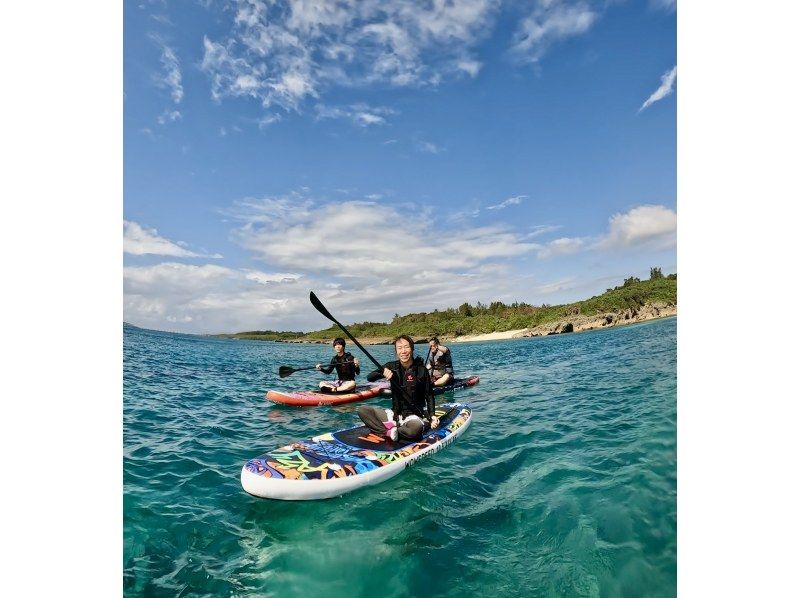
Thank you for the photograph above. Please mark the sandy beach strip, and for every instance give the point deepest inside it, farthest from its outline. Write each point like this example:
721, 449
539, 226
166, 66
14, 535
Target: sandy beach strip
491, 336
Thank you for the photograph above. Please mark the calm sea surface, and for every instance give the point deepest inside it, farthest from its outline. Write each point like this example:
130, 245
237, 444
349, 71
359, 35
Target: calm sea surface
564, 484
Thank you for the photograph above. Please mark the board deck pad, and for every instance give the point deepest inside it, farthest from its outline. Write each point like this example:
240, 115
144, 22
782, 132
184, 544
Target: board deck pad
362, 437
338, 462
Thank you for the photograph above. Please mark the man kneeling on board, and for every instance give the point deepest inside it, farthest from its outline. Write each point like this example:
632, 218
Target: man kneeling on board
412, 394
440, 363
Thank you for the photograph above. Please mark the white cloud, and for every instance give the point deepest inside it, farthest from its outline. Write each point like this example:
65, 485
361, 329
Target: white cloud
564, 284
283, 52
368, 118
542, 229
266, 278
268, 120
668, 5
511, 201
171, 278
172, 76
360, 114
474, 210
169, 116
429, 147
562, 246
461, 216
138, 240
169, 78
209, 299
296, 234
550, 21
647, 225
163, 19
230, 76
471, 67
667, 86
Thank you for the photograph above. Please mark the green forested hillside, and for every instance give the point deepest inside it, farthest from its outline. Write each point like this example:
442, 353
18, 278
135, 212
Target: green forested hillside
497, 316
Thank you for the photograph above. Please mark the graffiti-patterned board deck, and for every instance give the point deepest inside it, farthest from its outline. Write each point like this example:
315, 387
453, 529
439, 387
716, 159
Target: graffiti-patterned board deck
456, 384
312, 398
335, 463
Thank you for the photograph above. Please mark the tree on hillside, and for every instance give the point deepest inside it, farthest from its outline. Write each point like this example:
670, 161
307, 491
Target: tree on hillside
655, 273
465, 309
630, 281
496, 307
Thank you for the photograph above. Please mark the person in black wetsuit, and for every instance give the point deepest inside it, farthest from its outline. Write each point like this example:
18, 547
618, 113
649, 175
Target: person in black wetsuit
406, 418
347, 368
440, 363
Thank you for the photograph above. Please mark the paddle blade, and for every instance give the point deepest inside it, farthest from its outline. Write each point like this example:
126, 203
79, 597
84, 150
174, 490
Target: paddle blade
285, 370
319, 307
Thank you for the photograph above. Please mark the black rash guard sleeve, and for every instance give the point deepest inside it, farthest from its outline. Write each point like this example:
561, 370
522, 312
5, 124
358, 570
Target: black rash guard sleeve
336, 363
327, 369
376, 375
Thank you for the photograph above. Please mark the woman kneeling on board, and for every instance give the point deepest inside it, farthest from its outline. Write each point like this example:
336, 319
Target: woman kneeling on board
412, 393
347, 368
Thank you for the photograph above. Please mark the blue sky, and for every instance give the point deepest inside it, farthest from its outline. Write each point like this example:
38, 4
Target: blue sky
391, 156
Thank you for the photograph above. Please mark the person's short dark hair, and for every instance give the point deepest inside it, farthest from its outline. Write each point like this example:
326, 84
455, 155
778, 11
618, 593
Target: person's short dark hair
406, 338
339, 341
434, 339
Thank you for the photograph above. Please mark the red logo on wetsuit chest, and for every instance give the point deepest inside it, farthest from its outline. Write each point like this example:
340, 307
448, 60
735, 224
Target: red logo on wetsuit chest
409, 377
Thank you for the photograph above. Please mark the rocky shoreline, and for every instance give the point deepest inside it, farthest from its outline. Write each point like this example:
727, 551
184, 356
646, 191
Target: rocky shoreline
572, 323
579, 323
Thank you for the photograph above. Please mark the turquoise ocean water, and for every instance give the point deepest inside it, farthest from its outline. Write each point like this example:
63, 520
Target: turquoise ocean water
564, 485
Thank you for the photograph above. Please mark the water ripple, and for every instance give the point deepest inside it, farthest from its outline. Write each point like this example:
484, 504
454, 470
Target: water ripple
565, 484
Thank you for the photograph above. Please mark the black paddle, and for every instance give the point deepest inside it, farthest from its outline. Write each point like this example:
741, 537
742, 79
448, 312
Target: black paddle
285, 370
324, 311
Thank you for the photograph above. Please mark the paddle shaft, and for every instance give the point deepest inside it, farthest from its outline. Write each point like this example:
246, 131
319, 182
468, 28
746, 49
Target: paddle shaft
313, 367
285, 370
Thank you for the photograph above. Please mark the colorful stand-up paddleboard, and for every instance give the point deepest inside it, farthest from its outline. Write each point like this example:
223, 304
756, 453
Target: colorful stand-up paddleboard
454, 385
311, 398
338, 462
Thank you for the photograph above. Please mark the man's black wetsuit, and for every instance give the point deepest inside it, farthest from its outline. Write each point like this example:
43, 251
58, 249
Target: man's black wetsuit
417, 383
